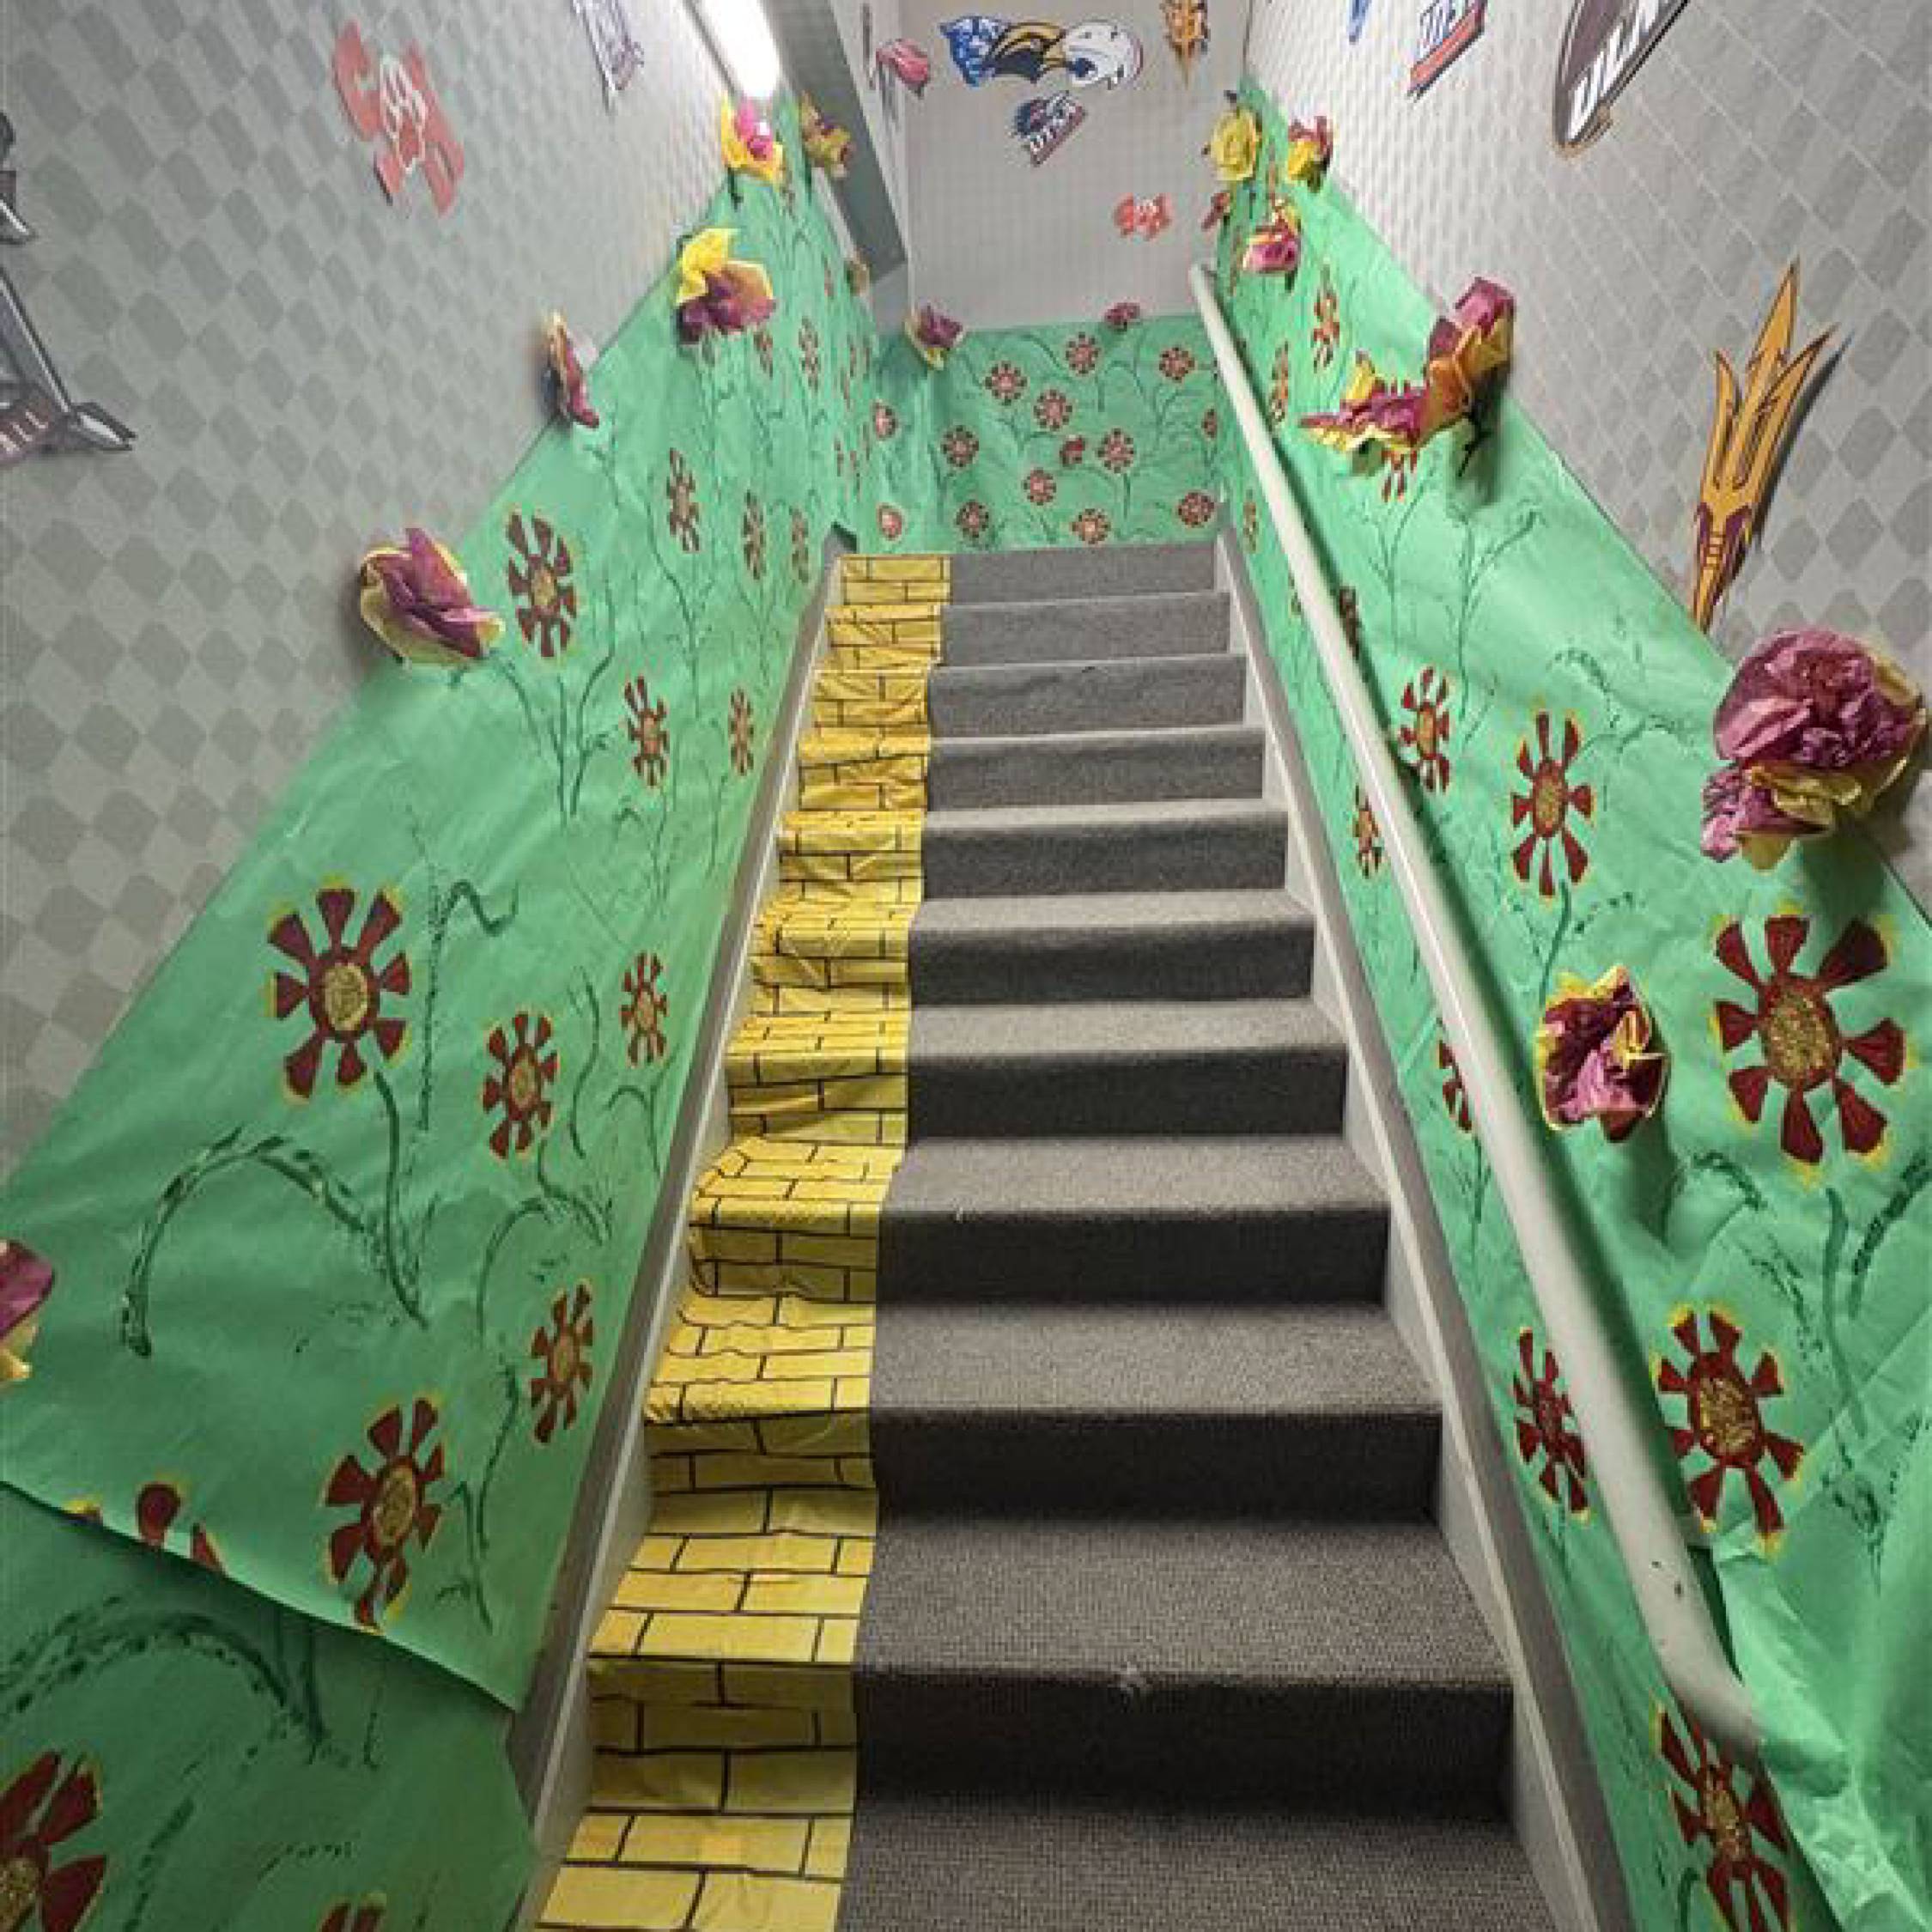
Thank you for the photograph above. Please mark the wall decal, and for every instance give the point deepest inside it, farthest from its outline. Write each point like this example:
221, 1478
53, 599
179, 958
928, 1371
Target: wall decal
390, 103
1358, 18
1446, 31
1604, 44
1092, 53
1146, 215
908, 65
1187, 32
1749, 430
37, 411
619, 54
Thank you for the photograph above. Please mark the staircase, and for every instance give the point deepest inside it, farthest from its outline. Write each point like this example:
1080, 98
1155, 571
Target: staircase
1159, 1636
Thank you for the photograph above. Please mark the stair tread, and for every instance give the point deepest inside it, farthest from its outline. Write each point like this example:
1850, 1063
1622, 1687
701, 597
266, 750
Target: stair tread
989, 819
1070, 571
1126, 671
1127, 1029
1126, 912
1262, 1604
1139, 737
1043, 609
931, 1863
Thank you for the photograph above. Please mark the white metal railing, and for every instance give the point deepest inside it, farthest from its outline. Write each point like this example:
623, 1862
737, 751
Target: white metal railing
1676, 1615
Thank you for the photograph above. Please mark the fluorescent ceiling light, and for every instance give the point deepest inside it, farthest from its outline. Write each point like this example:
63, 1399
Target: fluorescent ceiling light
741, 35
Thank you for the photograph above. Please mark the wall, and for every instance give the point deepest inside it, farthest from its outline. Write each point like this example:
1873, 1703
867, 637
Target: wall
1751, 136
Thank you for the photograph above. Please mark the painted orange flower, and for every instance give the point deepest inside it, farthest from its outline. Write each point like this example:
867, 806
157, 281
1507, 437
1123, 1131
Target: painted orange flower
1547, 1428
40, 1811
155, 1509
1083, 354
1325, 337
1547, 804
539, 576
1195, 508
341, 984
751, 531
974, 520
1456, 1096
650, 736
644, 1009
520, 1083
742, 733
1803, 1046
1052, 410
1724, 1419
1005, 382
1741, 1830
682, 513
1091, 526
1423, 739
561, 1350
392, 1507
1368, 836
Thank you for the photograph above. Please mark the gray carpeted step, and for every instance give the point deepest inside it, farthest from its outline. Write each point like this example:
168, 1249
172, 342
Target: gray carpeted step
1205, 843
1017, 1407
1123, 570
1168, 625
934, 1863
1096, 768
1126, 1067
1111, 945
1005, 701
1196, 1660
1110, 1219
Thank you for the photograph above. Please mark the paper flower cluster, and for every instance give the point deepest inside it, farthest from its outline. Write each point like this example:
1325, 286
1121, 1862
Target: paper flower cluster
416, 599
1310, 151
569, 388
934, 334
1597, 1056
1814, 727
826, 144
1235, 145
25, 1281
716, 296
1122, 317
748, 143
1275, 247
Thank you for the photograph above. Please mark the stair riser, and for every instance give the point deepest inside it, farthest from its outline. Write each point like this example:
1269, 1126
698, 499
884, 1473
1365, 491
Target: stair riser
1358, 1467
1284, 1090
1123, 570
1380, 1746
1335, 1255
962, 774
1067, 633
1242, 962
965, 861
1098, 697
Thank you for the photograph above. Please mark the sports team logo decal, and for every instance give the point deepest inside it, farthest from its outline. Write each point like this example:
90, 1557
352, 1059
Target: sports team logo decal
1447, 30
1604, 44
1092, 53
392, 105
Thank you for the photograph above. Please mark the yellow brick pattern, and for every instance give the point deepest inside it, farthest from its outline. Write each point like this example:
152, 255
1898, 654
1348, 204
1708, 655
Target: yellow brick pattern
726, 1763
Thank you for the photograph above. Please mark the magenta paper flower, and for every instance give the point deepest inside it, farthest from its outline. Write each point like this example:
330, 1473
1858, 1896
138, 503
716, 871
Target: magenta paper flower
748, 144
1597, 1056
569, 388
1275, 247
1310, 150
1122, 317
415, 599
906, 63
717, 295
934, 334
1814, 725
25, 1281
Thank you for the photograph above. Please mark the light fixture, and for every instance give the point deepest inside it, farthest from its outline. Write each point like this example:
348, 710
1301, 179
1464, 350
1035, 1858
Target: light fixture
741, 37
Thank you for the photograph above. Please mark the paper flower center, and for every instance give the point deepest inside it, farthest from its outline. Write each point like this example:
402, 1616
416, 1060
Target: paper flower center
347, 996
1724, 1414
1801, 1045
399, 1497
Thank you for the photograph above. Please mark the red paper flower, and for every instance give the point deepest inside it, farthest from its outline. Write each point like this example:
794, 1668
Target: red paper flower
1040, 486
1122, 317
1742, 1878
959, 446
801, 546
155, 1509
341, 984
650, 736
564, 368
681, 499
1116, 451
40, 1811
1195, 508
1005, 383
392, 1505
539, 579
885, 423
891, 523
1547, 1429
752, 533
742, 732
1091, 526
1368, 836
561, 1352
1176, 363
1083, 354
1546, 805
520, 1085
1803, 1047
1724, 1419
973, 520
1052, 409
1325, 337
1456, 1098
1423, 738
644, 1010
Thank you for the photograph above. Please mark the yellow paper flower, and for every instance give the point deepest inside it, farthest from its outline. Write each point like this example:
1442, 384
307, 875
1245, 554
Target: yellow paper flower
703, 256
1235, 145
748, 146
826, 144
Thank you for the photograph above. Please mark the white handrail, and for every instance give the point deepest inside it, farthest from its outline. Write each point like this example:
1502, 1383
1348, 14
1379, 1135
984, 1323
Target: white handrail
1641, 1517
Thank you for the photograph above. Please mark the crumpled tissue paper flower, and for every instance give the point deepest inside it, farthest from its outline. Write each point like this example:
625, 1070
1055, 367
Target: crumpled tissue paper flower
1814, 726
907, 64
1598, 1057
1310, 151
1234, 146
858, 273
748, 146
25, 1281
1122, 317
826, 144
1219, 207
569, 388
1275, 247
934, 334
417, 599
716, 296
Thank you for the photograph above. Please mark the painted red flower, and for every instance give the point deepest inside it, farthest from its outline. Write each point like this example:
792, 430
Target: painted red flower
1005, 383
1083, 354
682, 513
751, 531
1423, 738
1280, 383
801, 546
959, 446
1348, 608
520, 1083
1803, 1047
355, 1915
1211, 424
1052, 409
766, 348
650, 736
1040, 487
156, 1511
561, 1350
742, 730
1724, 1419
1368, 836
1176, 363
342, 986
891, 523
644, 1009
808, 351
40, 1811
973, 520
1398, 466
540, 586
1547, 1428
1091, 526
1325, 337
392, 1505
1195, 508
885, 423
1073, 452
1742, 1831
1546, 805
1250, 524
1116, 451
1456, 1098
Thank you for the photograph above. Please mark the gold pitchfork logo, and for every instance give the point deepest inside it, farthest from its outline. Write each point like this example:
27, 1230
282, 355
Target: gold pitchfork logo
1748, 434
